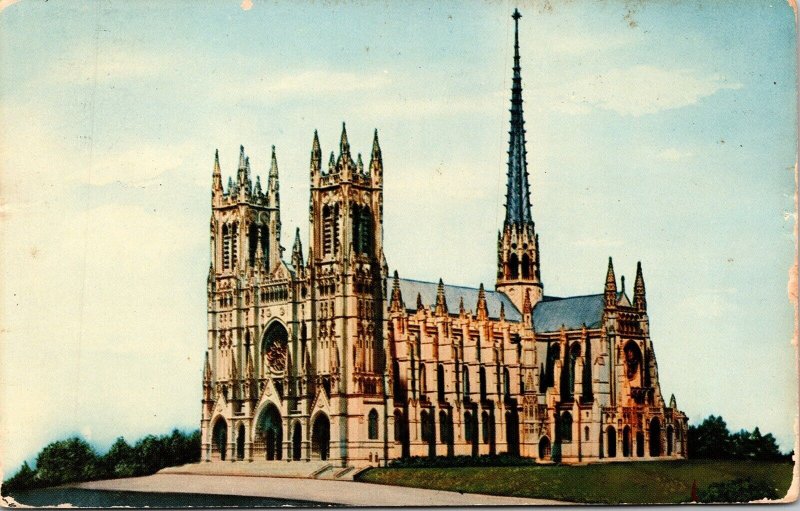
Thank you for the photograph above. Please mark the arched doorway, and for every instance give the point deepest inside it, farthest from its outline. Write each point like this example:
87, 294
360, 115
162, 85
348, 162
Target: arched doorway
240, 443
512, 432
297, 441
639, 444
544, 448
611, 433
626, 441
220, 439
321, 437
269, 433
655, 437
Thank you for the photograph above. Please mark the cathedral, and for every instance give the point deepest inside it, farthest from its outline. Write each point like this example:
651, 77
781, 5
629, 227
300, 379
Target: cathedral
330, 356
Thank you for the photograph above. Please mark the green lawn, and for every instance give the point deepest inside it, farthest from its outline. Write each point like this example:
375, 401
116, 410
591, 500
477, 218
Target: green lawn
611, 483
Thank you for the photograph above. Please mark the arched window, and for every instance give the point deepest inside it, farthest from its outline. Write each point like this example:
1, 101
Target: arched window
398, 425
372, 423
466, 383
423, 380
506, 383
482, 383
513, 267
553, 354
440, 383
544, 448
669, 440
566, 427
485, 427
526, 266
362, 229
226, 248
252, 244
586, 433
655, 437
467, 427
265, 242
327, 230
234, 245
397, 389
574, 355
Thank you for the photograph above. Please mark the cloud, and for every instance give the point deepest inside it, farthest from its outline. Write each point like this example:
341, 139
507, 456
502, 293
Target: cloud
640, 90
674, 154
404, 107
308, 83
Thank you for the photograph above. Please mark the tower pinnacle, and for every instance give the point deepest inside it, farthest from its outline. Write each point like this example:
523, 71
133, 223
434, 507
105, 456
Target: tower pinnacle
518, 207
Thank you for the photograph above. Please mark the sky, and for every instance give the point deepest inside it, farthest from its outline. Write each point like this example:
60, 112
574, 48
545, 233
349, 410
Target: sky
660, 132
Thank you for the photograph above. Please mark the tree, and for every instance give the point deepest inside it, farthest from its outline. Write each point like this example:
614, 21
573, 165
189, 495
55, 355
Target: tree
120, 460
710, 439
66, 461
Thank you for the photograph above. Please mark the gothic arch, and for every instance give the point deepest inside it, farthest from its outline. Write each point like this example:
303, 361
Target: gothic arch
219, 438
655, 437
526, 266
273, 350
268, 437
633, 360
372, 424
320, 436
611, 444
513, 267
544, 448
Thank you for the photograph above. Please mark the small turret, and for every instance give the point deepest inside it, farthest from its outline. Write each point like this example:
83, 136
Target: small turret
273, 195
461, 310
502, 311
242, 167
297, 252
482, 310
376, 160
396, 304
216, 186
316, 155
420, 305
527, 308
359, 165
207, 370
441, 301
611, 286
639, 299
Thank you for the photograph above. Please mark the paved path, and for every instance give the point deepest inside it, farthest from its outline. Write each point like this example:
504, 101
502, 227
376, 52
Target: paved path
334, 492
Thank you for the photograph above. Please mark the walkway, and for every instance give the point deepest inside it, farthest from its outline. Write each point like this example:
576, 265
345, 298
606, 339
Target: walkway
332, 492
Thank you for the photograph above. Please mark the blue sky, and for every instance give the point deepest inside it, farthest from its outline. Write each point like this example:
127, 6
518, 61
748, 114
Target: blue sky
662, 132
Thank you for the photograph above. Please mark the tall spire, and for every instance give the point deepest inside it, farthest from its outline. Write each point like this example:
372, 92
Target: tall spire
396, 304
297, 251
344, 145
518, 206
316, 155
272, 182
441, 301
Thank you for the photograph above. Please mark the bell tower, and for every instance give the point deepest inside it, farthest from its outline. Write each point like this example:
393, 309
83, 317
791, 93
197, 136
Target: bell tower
348, 273
517, 243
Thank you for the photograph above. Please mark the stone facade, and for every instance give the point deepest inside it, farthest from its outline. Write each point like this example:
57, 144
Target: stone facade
327, 357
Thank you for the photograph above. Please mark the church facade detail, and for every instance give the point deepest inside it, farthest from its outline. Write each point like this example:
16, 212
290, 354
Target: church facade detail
327, 356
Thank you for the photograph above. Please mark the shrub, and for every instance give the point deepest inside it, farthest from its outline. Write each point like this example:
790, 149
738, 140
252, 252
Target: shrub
738, 490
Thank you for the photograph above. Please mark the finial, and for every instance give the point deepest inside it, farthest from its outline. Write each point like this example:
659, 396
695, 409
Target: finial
441, 301
482, 308
502, 311
611, 285
397, 298
419, 301
639, 299
526, 303
344, 145
461, 310
241, 156
273, 171
622, 279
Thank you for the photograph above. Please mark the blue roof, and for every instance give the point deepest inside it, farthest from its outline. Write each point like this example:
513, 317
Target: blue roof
453, 294
573, 312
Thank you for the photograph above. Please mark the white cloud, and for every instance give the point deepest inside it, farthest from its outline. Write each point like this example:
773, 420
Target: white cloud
308, 83
404, 107
674, 154
640, 90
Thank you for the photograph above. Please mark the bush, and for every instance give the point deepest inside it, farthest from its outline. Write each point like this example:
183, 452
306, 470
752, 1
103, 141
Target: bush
501, 460
738, 490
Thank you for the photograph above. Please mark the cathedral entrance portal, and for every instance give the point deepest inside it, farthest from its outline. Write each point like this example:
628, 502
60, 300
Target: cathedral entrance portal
269, 433
321, 437
240, 443
544, 448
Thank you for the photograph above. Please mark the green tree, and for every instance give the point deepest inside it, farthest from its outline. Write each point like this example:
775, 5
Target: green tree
120, 460
711, 439
66, 461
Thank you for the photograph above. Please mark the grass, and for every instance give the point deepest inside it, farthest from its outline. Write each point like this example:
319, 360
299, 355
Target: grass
667, 482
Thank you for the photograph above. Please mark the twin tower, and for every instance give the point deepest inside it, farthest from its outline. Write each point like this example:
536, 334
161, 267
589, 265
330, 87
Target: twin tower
322, 356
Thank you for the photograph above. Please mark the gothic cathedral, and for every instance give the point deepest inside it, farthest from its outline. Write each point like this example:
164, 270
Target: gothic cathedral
328, 357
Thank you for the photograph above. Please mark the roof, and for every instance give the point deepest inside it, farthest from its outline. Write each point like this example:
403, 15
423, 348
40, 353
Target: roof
453, 294
573, 312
